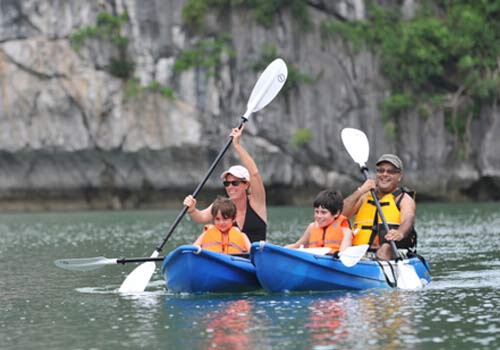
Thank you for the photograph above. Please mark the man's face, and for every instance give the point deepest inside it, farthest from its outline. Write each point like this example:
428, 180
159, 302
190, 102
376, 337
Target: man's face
388, 177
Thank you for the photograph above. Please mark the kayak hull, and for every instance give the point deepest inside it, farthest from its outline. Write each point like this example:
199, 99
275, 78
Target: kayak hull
281, 269
189, 269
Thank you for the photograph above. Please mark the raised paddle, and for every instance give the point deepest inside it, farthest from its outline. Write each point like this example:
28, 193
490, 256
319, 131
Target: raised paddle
356, 144
265, 90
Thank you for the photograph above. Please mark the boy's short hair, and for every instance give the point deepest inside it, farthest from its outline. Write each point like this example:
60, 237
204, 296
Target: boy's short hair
226, 207
331, 200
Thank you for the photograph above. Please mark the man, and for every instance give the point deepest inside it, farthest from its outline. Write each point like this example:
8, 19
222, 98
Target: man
397, 205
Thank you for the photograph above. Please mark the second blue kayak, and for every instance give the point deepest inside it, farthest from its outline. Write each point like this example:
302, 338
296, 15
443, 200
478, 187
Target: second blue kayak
281, 269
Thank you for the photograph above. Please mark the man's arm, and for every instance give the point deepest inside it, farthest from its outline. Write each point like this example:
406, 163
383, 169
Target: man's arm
354, 201
407, 218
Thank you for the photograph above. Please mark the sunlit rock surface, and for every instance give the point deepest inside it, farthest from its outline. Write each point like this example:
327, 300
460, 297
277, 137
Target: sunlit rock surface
73, 136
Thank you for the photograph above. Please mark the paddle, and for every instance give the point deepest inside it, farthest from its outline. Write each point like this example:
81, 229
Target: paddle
267, 87
315, 250
89, 264
356, 144
350, 256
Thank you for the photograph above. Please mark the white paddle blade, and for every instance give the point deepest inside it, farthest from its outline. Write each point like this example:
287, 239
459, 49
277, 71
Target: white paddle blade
267, 87
137, 280
352, 255
315, 250
356, 144
407, 277
84, 264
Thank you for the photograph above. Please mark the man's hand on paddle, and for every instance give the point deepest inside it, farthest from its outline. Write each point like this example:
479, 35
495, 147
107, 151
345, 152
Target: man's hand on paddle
394, 235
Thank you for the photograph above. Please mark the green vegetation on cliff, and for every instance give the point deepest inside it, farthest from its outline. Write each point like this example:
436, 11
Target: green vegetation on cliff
108, 28
206, 53
445, 58
264, 11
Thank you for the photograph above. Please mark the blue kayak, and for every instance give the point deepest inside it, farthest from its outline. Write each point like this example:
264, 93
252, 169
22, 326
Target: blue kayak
189, 269
281, 269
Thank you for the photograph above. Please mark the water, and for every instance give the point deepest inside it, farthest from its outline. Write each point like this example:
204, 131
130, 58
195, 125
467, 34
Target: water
49, 308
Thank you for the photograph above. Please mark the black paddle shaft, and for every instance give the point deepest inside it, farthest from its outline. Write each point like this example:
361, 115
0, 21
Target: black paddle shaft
364, 170
200, 186
124, 261
138, 260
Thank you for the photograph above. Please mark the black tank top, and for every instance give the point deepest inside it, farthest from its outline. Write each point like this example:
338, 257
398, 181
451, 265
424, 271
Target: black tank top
254, 227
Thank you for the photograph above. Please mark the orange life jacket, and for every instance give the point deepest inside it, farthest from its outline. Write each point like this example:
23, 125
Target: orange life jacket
329, 236
231, 243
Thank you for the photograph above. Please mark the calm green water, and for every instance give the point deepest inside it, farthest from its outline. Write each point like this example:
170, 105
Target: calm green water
43, 307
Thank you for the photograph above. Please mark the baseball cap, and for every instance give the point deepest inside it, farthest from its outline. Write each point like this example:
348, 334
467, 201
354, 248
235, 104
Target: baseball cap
237, 170
391, 158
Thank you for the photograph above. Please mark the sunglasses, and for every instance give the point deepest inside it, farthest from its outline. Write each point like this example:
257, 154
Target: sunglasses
388, 171
234, 183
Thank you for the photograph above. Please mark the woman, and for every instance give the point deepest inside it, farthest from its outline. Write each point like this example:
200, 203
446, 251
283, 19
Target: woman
245, 188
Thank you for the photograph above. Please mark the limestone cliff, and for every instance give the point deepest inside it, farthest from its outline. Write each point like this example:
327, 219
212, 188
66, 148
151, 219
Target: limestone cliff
72, 134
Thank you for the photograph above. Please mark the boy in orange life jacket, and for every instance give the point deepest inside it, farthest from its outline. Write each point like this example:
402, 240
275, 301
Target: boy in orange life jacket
222, 236
329, 229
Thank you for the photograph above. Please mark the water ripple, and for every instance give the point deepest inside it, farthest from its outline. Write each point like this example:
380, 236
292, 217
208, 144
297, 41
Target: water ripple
458, 309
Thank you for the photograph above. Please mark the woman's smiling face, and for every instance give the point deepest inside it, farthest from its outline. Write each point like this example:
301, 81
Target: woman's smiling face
235, 192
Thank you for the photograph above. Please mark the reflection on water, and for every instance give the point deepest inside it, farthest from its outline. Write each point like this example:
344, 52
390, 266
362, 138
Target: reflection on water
46, 307
211, 322
343, 320
368, 319
227, 327
326, 323
289, 321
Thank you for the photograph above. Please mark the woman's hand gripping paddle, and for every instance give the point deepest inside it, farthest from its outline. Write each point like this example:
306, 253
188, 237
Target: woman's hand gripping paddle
265, 90
356, 144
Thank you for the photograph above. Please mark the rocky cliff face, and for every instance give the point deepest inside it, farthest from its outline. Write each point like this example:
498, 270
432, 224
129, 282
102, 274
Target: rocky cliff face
73, 134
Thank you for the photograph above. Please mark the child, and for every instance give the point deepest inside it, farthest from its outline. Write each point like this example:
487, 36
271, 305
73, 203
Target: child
329, 229
222, 236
